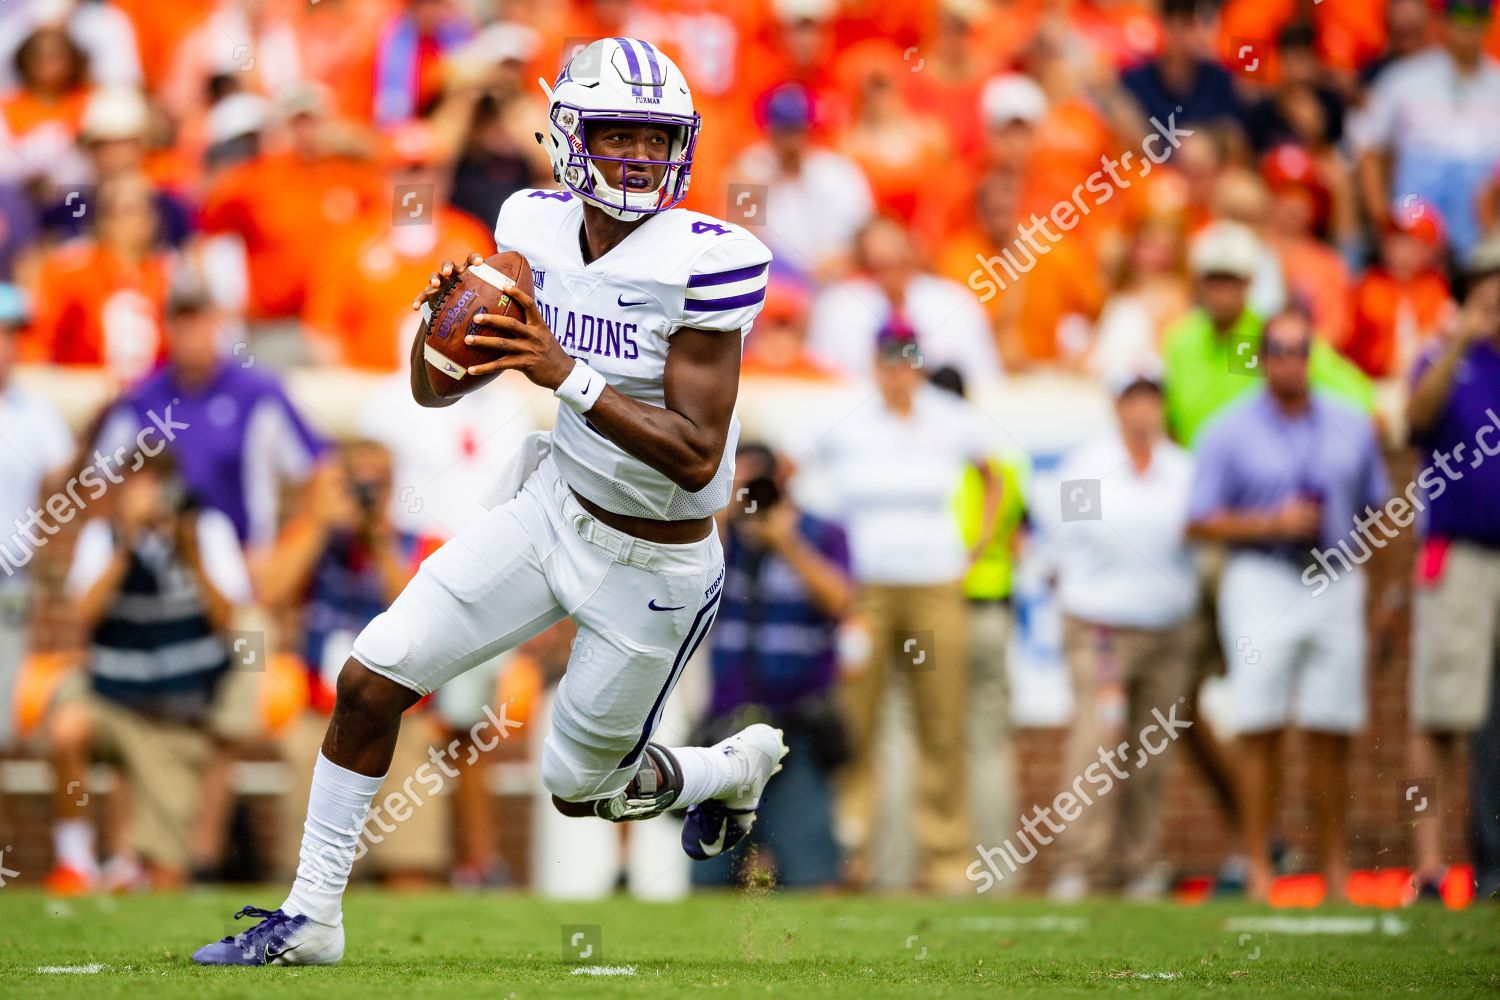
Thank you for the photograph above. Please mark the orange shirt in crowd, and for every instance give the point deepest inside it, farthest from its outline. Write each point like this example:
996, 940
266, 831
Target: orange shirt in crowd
285, 208
363, 284
1317, 277
1392, 319
1029, 311
94, 307
160, 27
1350, 33
23, 112
336, 42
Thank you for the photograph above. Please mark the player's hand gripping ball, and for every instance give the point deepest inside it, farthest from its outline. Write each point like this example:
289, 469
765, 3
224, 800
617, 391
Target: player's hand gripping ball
479, 288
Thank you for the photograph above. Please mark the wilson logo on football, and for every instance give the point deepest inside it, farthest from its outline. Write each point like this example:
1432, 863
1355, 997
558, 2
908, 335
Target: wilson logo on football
452, 313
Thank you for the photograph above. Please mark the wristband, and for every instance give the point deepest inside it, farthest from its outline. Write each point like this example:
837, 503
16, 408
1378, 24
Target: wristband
582, 388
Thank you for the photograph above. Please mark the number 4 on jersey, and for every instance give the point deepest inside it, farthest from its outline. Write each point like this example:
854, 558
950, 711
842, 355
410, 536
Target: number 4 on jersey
700, 227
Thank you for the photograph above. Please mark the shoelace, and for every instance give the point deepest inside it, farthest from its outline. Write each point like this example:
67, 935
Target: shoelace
271, 921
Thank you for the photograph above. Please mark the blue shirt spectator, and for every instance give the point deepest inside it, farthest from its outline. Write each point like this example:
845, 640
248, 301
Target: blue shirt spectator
1257, 457
1184, 80
772, 645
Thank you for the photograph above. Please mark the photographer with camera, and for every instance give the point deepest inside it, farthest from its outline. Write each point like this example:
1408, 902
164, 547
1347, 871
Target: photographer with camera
774, 658
338, 563
154, 588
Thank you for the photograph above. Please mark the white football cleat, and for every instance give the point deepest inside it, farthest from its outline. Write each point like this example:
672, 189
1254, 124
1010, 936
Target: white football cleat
717, 825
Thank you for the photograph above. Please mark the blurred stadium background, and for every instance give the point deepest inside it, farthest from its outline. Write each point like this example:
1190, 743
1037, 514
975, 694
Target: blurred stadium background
250, 193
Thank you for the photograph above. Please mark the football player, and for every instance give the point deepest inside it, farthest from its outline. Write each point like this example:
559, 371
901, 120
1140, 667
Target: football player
635, 325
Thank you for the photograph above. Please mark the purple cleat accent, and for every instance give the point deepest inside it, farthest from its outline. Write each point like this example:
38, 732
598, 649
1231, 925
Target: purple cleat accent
710, 829
262, 944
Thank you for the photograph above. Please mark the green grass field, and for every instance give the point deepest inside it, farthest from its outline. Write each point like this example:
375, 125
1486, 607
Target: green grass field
755, 945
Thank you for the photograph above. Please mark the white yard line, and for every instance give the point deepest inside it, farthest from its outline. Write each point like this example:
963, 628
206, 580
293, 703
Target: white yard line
1384, 924
605, 970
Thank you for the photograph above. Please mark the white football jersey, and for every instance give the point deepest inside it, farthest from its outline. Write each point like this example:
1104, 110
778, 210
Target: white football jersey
676, 270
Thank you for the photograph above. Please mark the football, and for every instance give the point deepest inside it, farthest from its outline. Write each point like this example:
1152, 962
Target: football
483, 288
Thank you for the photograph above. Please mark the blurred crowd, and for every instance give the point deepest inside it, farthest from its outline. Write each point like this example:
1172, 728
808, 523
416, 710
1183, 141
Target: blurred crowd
1268, 231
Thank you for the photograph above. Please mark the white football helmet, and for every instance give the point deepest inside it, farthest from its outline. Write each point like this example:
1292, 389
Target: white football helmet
620, 80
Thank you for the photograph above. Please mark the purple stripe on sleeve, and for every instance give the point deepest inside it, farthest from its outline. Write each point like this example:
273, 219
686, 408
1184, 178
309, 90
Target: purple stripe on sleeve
732, 302
633, 62
725, 277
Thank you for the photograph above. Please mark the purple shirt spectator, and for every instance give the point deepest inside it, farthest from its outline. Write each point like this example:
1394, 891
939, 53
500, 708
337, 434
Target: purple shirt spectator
18, 227
236, 440
1254, 457
1463, 503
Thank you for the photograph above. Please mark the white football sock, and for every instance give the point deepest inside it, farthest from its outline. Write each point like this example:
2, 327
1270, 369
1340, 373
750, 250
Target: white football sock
336, 812
73, 843
707, 773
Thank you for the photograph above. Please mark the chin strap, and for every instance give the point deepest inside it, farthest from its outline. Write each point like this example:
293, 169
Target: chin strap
647, 795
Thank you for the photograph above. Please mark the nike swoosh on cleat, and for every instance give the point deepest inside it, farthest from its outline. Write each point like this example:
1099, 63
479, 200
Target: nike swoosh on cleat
620, 301
657, 607
716, 846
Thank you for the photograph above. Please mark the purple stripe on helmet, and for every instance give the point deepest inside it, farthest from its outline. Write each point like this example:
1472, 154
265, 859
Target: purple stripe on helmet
725, 277
731, 302
633, 62
656, 75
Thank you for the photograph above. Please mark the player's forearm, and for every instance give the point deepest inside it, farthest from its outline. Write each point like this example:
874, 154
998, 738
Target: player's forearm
218, 609
281, 575
990, 516
668, 441
1371, 176
1235, 528
395, 573
1429, 397
90, 607
829, 587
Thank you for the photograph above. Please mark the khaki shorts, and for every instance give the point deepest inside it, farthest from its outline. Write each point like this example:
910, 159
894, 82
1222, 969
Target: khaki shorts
422, 843
163, 762
1456, 640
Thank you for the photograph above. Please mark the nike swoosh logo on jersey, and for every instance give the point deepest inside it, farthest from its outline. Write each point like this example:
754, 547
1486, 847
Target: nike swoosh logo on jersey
657, 607
620, 301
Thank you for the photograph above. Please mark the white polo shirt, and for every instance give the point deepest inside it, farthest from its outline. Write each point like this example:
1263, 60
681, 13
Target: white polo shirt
892, 482
810, 217
34, 441
1130, 566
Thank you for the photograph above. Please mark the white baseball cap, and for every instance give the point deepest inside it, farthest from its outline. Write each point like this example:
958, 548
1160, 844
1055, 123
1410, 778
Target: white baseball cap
1226, 248
237, 114
118, 112
1012, 97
